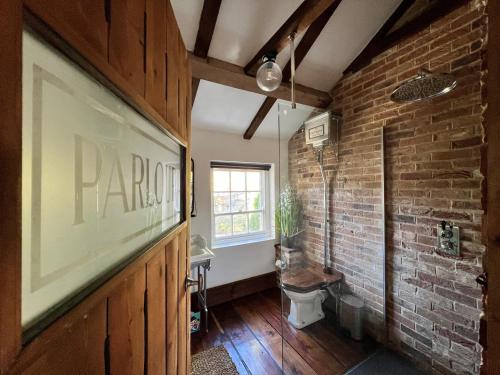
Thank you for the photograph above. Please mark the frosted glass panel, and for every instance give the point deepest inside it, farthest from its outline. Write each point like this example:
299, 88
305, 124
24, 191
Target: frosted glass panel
100, 182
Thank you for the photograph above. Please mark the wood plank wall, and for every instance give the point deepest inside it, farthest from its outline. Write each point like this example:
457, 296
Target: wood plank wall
137, 322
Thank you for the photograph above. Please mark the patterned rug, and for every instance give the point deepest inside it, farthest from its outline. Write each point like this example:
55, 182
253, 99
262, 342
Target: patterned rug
215, 361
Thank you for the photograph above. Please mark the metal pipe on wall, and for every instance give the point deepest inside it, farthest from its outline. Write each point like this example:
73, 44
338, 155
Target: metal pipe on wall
384, 232
326, 268
292, 69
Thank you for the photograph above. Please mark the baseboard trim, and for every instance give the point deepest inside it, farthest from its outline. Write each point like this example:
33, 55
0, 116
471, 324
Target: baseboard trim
237, 289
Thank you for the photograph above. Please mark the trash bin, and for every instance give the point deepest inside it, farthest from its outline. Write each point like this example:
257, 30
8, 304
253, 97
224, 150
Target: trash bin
351, 315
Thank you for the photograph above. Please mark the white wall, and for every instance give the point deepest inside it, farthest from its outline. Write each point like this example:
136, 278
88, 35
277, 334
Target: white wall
243, 261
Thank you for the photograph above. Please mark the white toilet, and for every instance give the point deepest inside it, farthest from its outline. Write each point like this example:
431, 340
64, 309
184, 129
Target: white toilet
306, 288
305, 307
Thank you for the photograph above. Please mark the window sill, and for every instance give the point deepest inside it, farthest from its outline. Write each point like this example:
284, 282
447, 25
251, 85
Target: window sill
242, 242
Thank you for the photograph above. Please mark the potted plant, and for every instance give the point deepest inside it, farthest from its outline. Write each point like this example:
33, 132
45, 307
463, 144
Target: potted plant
289, 216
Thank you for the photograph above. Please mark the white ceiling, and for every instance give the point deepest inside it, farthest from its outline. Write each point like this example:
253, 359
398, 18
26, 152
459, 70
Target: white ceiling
229, 110
346, 34
243, 26
283, 117
224, 108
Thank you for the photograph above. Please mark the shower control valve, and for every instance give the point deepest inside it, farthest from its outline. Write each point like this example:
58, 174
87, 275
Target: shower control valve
448, 240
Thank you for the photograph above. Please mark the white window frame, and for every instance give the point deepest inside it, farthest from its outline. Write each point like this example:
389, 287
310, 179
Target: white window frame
267, 194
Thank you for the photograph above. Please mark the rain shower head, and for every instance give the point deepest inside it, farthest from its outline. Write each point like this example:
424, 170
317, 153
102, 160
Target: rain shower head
426, 85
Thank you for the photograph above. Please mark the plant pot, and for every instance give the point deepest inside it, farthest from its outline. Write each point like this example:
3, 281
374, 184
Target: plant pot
290, 242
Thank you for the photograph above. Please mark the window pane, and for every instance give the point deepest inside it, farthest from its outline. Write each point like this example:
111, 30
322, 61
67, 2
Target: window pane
255, 222
240, 224
222, 203
237, 181
238, 202
222, 226
253, 181
254, 201
221, 180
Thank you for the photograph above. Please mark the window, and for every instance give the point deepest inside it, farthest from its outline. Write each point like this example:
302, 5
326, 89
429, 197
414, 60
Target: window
241, 201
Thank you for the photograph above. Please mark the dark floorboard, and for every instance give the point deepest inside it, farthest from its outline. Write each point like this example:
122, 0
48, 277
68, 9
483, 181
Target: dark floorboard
260, 342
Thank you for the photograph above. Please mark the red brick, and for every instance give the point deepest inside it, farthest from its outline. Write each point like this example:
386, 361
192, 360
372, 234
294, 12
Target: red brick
432, 155
465, 60
423, 175
450, 155
459, 297
448, 215
435, 280
462, 143
459, 112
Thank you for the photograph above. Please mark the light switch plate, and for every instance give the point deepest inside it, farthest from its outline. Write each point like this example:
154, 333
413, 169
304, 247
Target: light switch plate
448, 238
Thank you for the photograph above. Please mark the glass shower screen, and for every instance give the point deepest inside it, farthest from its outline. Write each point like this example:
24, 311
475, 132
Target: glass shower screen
331, 252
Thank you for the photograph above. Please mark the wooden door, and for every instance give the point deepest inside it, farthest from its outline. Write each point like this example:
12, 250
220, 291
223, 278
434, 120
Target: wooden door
156, 64
127, 40
85, 21
172, 58
137, 322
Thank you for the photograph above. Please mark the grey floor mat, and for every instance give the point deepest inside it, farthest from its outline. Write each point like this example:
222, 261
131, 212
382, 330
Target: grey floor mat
385, 362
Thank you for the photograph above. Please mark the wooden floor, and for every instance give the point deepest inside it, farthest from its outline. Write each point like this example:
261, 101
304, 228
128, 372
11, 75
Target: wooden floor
250, 329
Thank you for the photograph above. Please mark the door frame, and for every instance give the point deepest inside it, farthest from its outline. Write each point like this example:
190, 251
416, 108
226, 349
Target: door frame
10, 182
491, 336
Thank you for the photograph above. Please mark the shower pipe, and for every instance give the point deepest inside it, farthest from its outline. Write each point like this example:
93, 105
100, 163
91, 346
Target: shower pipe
326, 268
384, 233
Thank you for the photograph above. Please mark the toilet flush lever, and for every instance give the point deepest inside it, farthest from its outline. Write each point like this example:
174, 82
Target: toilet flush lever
190, 282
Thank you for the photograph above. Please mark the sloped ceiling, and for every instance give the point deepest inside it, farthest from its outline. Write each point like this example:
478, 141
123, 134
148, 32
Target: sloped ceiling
226, 109
243, 26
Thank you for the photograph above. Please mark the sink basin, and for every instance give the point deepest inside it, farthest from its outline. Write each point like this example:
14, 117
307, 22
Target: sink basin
199, 250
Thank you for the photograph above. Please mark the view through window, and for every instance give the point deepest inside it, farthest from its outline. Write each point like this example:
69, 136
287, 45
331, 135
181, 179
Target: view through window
240, 203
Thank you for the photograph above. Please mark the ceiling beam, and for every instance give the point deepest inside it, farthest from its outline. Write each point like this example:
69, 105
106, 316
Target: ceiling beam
208, 19
259, 117
206, 28
300, 20
301, 51
374, 44
309, 38
385, 39
224, 73
431, 14
195, 82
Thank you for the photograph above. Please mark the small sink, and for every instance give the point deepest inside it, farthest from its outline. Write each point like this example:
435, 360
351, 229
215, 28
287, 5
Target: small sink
199, 250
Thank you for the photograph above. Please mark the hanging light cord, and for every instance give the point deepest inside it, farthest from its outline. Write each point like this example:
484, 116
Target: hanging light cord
292, 68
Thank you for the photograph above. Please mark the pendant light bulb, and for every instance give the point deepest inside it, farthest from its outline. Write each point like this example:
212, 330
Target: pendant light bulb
269, 74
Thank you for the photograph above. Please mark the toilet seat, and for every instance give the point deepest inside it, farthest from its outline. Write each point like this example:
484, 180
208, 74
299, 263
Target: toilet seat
307, 278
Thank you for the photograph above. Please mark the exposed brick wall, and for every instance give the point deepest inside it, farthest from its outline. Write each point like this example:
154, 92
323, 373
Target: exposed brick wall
432, 173
355, 207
